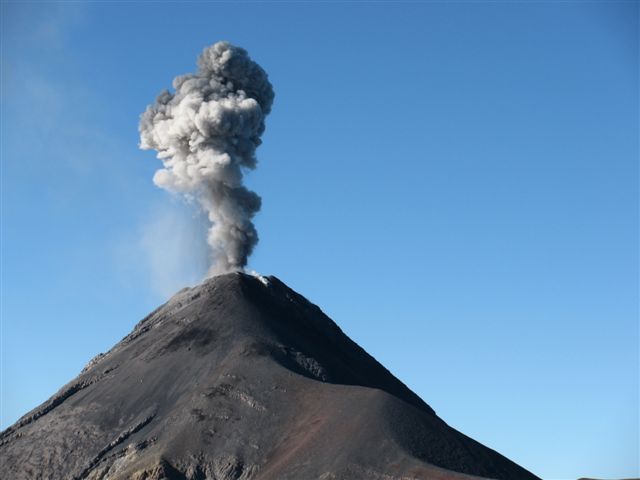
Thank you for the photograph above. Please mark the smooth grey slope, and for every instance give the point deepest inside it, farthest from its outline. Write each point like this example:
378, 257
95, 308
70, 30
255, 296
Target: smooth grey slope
240, 379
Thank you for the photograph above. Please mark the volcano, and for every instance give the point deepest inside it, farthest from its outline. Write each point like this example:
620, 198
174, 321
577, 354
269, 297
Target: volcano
240, 378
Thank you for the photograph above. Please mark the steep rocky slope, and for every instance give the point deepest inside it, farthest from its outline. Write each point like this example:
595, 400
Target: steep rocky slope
240, 378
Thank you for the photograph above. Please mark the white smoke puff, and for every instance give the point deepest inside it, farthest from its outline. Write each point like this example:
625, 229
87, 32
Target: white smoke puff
206, 133
264, 280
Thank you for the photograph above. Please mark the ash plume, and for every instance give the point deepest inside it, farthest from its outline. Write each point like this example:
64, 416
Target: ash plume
206, 133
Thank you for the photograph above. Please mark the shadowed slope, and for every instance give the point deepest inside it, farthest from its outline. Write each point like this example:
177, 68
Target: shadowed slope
240, 378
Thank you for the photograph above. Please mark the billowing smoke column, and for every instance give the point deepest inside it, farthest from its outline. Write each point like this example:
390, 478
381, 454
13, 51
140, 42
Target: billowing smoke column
206, 133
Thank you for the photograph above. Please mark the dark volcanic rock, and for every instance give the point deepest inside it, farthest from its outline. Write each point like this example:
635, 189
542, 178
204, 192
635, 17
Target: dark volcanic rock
240, 378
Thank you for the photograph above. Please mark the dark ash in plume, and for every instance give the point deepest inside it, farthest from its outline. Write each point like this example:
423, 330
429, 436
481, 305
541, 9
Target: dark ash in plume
205, 133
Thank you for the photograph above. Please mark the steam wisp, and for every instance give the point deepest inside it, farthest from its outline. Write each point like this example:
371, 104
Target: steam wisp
206, 133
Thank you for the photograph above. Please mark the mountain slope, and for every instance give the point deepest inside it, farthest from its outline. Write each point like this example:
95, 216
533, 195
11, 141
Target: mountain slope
240, 378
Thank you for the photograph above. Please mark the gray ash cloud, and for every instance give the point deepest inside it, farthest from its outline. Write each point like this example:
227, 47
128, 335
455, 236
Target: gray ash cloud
206, 133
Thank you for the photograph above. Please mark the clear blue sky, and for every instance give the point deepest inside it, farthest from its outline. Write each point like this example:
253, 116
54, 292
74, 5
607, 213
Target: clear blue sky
456, 184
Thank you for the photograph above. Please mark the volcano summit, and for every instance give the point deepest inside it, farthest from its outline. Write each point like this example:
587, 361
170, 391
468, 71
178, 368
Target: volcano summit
240, 378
